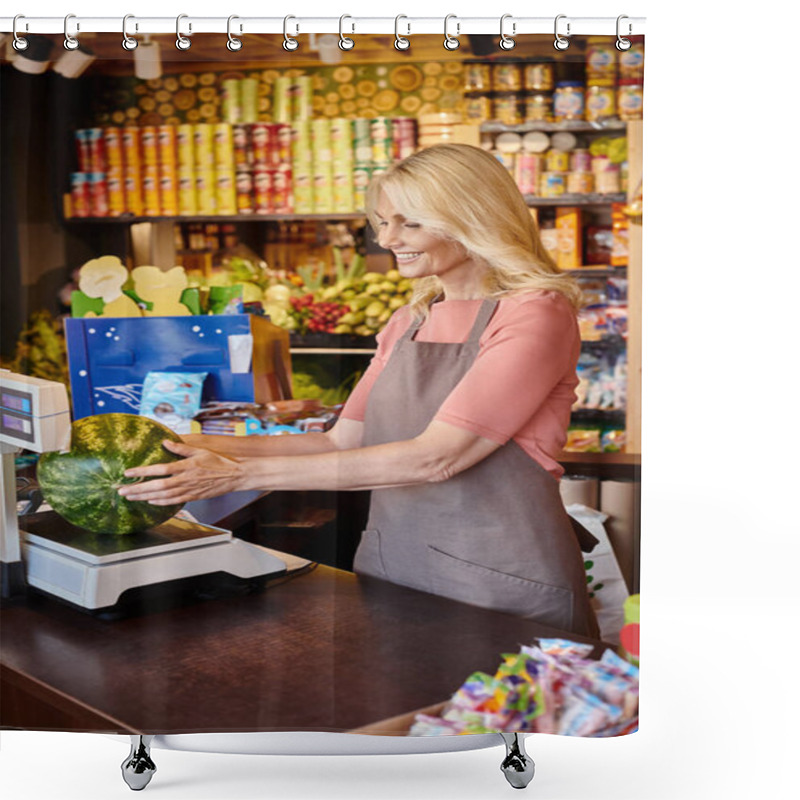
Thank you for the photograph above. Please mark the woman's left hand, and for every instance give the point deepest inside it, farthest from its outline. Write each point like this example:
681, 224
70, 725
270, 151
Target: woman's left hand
200, 474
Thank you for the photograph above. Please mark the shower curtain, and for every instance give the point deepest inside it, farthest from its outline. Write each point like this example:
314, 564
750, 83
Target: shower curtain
242, 173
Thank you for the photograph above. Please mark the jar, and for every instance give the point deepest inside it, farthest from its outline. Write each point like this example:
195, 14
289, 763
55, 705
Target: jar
568, 102
538, 106
631, 61
608, 182
601, 58
601, 101
557, 161
507, 77
580, 161
477, 107
552, 184
580, 183
506, 108
630, 97
477, 77
538, 77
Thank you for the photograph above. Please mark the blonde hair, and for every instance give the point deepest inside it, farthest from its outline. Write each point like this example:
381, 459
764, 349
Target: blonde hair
463, 194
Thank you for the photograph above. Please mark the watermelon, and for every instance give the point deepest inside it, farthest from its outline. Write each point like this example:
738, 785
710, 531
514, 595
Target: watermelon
81, 484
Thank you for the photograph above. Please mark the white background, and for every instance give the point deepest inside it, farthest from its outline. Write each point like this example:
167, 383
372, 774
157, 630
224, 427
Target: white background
719, 689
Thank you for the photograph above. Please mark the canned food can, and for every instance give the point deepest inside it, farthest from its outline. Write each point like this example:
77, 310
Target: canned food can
282, 99
580, 161
184, 135
82, 149
342, 139
248, 100
301, 142
507, 77
320, 142
303, 191
382, 141
98, 194
187, 195
134, 201
97, 150
231, 101
302, 95
343, 196
601, 102
600, 164
323, 189
580, 182
205, 188
131, 147
404, 135
204, 146
362, 141
557, 161
477, 107
552, 184
150, 187
113, 145
226, 192
281, 142
242, 148
168, 192
223, 146
527, 171
260, 142
150, 146
607, 182
601, 58
262, 191
631, 61
538, 77
569, 101
244, 192
282, 191
506, 108
116, 192
538, 106
79, 191
477, 77
167, 145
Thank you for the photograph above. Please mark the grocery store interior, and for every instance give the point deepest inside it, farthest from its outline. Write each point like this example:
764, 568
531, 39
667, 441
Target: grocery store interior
241, 177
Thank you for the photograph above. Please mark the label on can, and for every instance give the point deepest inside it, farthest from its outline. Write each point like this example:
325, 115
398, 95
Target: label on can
150, 187
282, 136
282, 191
580, 161
185, 138
79, 183
131, 147
206, 192
262, 191
97, 150
506, 77
98, 194
113, 143
302, 191
580, 182
82, 149
168, 193
282, 99
150, 146
226, 192
167, 144
231, 107
242, 147
223, 146
244, 192
134, 203
477, 107
302, 95
552, 184
187, 196
116, 193
506, 108
557, 161
527, 171
248, 100
204, 146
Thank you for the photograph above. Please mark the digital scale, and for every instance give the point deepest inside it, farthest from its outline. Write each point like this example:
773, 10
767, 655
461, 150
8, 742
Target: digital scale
94, 570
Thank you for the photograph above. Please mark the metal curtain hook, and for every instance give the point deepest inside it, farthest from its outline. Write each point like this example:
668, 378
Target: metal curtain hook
451, 43
401, 43
345, 43
70, 42
233, 44
289, 43
561, 43
506, 42
182, 43
19, 43
128, 42
622, 43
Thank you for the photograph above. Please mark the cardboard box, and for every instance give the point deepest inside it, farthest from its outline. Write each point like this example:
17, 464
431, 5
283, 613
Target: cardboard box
246, 357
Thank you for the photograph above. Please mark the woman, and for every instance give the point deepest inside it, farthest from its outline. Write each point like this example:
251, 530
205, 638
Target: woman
455, 424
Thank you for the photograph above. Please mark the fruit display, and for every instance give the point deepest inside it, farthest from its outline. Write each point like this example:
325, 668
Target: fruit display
81, 484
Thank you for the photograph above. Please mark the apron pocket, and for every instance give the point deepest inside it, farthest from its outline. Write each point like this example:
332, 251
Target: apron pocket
368, 560
489, 588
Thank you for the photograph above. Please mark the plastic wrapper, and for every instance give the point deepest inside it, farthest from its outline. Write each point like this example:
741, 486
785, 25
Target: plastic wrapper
172, 398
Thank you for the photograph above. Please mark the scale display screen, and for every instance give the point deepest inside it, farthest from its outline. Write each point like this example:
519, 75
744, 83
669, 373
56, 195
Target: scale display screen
16, 408
19, 424
16, 402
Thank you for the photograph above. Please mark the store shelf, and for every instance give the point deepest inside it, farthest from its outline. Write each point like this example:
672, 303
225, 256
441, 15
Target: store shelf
613, 343
534, 201
598, 271
606, 466
573, 126
127, 219
331, 351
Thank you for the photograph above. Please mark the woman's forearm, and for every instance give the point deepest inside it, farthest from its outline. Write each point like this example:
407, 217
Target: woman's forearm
255, 446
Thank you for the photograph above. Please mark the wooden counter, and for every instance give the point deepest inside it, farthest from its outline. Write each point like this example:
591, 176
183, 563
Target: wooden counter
324, 651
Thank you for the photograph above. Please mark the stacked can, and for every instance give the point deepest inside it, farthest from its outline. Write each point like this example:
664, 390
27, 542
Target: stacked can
132, 176
601, 76
322, 165
302, 94
150, 173
187, 196
404, 136
224, 169
167, 169
362, 166
248, 100
302, 167
342, 163
231, 103
282, 99
205, 182
243, 165
115, 176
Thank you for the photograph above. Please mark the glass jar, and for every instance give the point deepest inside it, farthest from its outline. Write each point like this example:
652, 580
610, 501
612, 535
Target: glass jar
631, 61
568, 102
507, 77
538, 77
538, 106
630, 99
601, 100
601, 58
477, 107
477, 77
506, 108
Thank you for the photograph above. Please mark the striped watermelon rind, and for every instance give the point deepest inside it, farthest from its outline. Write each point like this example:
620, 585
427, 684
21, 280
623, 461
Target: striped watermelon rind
81, 484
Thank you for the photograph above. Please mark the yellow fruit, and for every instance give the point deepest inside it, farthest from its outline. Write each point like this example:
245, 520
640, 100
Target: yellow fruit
372, 323
393, 275
363, 330
374, 289
329, 293
384, 317
396, 302
372, 277
404, 285
357, 303
342, 328
388, 286
348, 319
374, 309
385, 296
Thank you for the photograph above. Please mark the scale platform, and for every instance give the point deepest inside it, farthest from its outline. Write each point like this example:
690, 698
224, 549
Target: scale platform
94, 570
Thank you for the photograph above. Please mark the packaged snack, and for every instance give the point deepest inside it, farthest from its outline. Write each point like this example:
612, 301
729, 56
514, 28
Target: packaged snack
613, 440
172, 398
583, 440
225, 300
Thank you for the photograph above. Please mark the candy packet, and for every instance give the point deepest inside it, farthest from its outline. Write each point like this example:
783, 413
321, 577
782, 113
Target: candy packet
172, 398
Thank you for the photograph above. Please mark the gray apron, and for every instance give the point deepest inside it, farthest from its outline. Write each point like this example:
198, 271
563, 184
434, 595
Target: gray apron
496, 535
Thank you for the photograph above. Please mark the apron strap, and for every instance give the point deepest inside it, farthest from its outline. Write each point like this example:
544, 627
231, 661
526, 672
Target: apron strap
485, 313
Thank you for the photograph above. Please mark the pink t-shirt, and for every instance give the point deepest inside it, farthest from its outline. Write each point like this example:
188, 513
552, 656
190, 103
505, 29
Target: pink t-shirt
521, 385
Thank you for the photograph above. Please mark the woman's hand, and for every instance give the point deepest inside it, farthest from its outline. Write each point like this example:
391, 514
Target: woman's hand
200, 474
